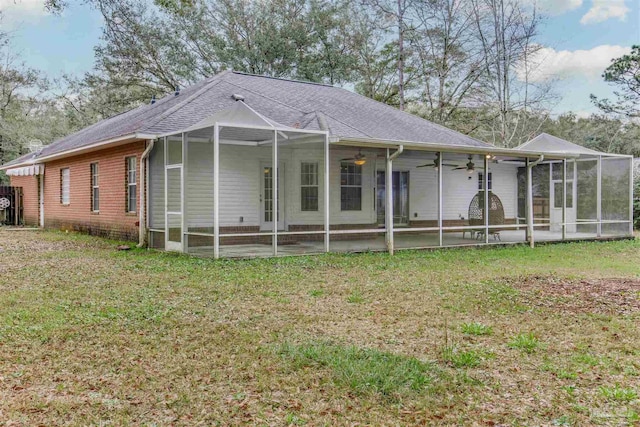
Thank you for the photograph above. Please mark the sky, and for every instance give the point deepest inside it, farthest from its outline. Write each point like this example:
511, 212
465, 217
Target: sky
578, 39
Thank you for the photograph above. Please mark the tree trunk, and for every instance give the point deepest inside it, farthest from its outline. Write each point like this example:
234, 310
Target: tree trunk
400, 55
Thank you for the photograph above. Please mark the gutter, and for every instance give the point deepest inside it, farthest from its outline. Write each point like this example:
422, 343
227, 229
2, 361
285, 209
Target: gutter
389, 197
463, 149
142, 228
80, 150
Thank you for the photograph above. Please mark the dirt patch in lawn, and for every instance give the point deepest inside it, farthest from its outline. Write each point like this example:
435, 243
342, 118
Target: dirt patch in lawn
600, 296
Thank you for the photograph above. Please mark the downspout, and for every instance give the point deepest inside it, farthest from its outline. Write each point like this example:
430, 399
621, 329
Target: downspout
142, 228
530, 198
389, 195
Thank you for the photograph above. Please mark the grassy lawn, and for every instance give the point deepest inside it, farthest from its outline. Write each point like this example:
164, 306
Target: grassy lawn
508, 336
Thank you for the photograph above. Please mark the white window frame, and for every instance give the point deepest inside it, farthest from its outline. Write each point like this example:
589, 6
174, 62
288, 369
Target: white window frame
95, 187
314, 184
481, 181
347, 185
65, 186
131, 168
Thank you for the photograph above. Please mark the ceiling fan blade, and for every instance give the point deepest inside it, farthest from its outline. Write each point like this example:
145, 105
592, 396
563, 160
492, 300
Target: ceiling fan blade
348, 160
459, 168
449, 165
428, 165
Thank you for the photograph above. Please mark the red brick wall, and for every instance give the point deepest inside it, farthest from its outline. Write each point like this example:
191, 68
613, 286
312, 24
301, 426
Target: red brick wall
30, 196
112, 220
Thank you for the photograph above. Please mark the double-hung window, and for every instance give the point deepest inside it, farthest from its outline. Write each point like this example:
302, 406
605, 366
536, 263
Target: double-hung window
556, 177
65, 186
481, 181
350, 186
309, 187
132, 186
95, 188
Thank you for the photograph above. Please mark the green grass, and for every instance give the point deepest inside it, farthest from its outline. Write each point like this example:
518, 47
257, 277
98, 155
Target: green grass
618, 394
528, 343
462, 359
363, 371
94, 336
476, 328
355, 297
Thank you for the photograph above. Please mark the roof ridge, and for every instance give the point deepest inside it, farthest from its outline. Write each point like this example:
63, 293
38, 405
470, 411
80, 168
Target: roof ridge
345, 124
214, 80
282, 79
268, 97
413, 115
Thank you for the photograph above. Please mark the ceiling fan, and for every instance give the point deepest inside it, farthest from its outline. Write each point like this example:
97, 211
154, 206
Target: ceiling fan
435, 163
359, 159
469, 167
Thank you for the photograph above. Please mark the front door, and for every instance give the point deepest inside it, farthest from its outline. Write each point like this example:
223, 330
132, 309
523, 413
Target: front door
400, 197
266, 197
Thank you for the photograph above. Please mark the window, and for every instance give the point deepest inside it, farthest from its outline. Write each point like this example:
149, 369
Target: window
557, 194
132, 186
556, 175
481, 181
95, 190
350, 186
64, 186
309, 187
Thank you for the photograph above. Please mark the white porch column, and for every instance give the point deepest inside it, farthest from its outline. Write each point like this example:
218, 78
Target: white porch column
485, 185
599, 195
183, 191
564, 199
216, 191
327, 224
274, 192
389, 202
530, 203
440, 242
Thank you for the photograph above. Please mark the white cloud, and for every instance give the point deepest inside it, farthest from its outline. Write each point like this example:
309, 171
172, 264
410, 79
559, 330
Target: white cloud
602, 10
556, 7
547, 63
19, 10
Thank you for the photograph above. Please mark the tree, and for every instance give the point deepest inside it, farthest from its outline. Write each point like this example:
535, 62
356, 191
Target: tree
624, 74
398, 12
506, 30
450, 59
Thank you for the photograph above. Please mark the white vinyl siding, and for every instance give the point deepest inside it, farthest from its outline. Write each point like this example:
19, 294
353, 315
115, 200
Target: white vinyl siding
156, 186
240, 175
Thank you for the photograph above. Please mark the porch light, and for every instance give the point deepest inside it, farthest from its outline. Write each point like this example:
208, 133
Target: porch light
360, 162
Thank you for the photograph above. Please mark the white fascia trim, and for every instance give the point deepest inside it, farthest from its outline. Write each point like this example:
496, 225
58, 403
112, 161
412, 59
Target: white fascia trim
80, 150
428, 146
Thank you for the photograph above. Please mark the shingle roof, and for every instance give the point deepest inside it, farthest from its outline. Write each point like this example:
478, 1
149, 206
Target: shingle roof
292, 103
552, 144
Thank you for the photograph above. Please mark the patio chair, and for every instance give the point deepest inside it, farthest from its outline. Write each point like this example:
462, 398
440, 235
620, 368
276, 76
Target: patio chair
476, 215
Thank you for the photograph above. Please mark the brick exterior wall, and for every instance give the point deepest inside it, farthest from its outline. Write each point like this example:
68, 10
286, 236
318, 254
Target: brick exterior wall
31, 210
112, 220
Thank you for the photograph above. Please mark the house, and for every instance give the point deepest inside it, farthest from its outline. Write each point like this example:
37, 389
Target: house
245, 165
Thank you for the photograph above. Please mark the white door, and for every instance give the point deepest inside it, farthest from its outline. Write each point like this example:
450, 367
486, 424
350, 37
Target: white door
556, 197
173, 196
266, 196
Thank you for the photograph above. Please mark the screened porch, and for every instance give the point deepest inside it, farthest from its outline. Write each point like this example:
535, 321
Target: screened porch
239, 184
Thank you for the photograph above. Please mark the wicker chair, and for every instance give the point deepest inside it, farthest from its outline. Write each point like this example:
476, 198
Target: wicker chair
476, 214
